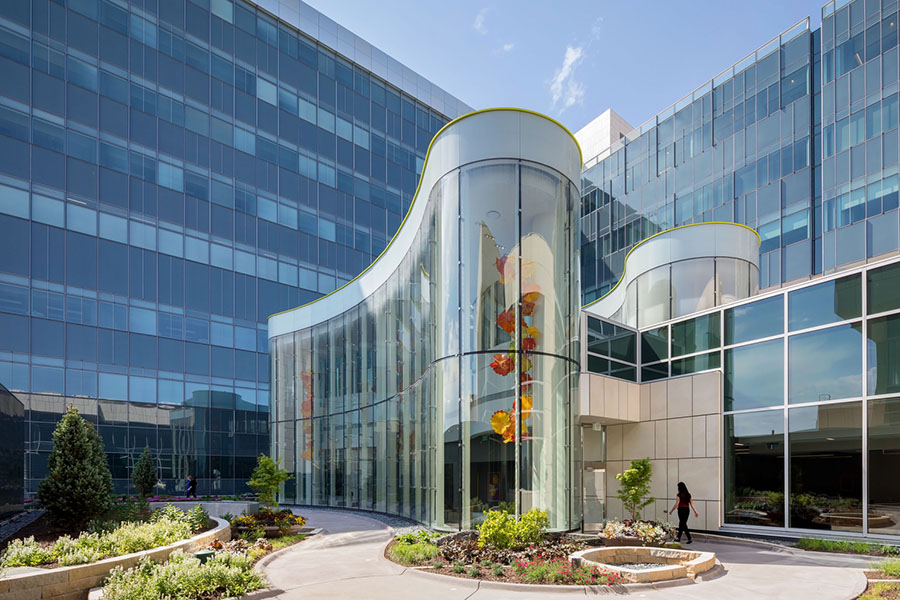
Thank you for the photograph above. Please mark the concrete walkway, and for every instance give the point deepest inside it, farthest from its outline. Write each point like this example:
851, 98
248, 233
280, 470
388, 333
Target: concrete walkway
347, 561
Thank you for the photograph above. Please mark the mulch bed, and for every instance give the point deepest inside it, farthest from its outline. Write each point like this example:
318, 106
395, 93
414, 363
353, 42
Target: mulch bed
879, 575
883, 591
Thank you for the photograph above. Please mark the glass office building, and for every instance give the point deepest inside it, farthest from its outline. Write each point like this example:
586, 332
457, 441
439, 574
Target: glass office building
173, 173
798, 140
443, 381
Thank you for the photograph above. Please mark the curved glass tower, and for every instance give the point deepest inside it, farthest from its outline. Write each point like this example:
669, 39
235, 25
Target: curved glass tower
443, 380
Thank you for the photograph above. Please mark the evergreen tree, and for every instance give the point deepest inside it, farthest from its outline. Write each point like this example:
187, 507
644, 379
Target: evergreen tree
78, 483
144, 475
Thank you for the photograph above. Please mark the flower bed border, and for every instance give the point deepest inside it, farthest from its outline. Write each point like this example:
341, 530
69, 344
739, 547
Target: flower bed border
73, 583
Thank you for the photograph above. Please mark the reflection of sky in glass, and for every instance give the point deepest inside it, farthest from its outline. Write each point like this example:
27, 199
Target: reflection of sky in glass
827, 302
826, 364
758, 424
754, 375
755, 320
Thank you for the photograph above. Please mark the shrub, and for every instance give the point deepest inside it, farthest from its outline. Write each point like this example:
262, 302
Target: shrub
564, 572
500, 530
890, 567
851, 546
25, 553
144, 475
496, 530
413, 554
645, 531
459, 569
531, 528
634, 486
474, 571
438, 564
183, 577
267, 478
497, 571
283, 520
419, 536
78, 483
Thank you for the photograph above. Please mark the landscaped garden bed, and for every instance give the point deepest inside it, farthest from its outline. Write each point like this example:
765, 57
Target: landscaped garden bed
503, 549
105, 539
880, 589
848, 547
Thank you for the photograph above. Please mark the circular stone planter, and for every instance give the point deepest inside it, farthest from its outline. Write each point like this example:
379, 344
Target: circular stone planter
272, 531
673, 564
629, 541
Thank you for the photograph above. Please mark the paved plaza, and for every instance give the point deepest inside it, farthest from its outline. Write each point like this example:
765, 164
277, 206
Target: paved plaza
347, 561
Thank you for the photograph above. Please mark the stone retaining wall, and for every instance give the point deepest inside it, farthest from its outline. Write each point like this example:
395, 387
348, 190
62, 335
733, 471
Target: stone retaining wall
73, 583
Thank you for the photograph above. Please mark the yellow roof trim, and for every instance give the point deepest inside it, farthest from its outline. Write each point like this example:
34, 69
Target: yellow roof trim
418, 188
635, 247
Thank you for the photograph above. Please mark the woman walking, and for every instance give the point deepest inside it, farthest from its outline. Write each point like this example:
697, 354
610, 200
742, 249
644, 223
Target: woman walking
684, 504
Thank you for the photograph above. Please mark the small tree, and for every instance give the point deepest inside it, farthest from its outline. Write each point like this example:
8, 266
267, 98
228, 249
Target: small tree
267, 478
144, 475
78, 484
634, 486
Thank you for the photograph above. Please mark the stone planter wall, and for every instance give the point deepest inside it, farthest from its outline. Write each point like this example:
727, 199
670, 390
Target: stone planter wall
215, 508
73, 583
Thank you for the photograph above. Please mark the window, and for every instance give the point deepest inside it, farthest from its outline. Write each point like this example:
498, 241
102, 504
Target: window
883, 349
695, 335
883, 289
835, 300
754, 375
825, 364
754, 468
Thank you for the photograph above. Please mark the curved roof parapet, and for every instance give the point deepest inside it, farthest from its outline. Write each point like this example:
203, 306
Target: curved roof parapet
509, 133
685, 243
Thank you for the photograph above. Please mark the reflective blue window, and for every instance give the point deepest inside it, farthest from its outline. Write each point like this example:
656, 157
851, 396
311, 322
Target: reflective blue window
825, 364
835, 300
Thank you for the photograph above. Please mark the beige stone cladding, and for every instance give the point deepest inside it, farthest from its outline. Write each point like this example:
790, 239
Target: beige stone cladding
677, 423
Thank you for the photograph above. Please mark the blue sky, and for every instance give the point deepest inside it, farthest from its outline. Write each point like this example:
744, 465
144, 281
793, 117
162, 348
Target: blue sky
571, 59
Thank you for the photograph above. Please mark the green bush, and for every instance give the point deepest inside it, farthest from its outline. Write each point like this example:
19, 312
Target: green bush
890, 567
413, 554
419, 536
78, 483
25, 553
531, 528
850, 546
497, 529
184, 578
500, 530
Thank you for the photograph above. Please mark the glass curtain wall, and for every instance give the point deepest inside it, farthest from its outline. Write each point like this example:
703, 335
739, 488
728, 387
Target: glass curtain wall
450, 390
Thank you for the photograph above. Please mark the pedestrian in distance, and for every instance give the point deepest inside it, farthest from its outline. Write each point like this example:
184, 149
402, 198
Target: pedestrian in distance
192, 487
684, 504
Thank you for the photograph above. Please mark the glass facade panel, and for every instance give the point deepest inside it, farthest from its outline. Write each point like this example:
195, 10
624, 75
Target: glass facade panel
164, 151
825, 445
695, 335
883, 352
754, 468
754, 320
835, 300
825, 364
460, 423
883, 289
754, 375
884, 460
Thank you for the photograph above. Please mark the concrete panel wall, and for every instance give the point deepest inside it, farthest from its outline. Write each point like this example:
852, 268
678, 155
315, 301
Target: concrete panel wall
679, 428
609, 400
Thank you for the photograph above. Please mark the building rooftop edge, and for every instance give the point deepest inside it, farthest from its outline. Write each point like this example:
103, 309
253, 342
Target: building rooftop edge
344, 42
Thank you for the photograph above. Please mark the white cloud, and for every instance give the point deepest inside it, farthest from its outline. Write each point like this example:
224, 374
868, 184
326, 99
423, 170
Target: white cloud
596, 29
508, 47
480, 18
565, 90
